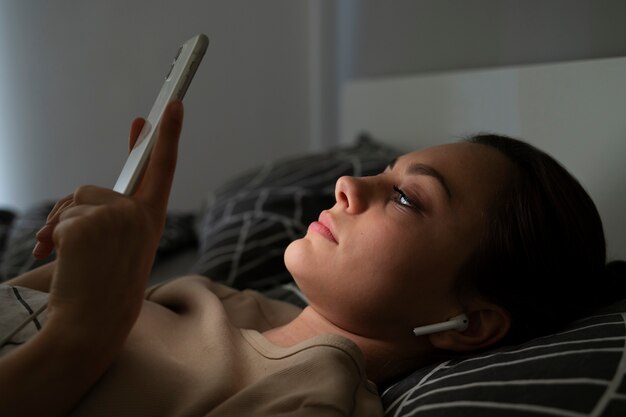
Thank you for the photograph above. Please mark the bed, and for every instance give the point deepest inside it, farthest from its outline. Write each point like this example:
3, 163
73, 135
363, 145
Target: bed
572, 110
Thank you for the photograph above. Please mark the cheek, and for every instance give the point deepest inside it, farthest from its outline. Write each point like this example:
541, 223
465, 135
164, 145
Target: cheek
384, 253
399, 273
365, 285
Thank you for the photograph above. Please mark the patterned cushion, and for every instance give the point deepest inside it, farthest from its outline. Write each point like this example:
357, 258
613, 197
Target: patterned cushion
6, 220
178, 234
578, 371
17, 257
249, 221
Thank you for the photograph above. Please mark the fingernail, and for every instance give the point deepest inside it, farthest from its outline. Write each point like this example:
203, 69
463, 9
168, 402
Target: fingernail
37, 250
42, 250
43, 231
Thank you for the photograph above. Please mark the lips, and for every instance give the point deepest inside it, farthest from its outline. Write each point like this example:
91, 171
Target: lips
324, 227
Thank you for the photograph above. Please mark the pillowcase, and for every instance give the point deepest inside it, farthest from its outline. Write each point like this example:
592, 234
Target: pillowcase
6, 220
576, 372
178, 234
250, 220
20, 241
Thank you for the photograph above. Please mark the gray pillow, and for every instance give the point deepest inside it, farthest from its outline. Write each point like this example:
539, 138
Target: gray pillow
17, 257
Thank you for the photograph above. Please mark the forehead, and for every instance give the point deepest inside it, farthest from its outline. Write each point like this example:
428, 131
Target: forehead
473, 172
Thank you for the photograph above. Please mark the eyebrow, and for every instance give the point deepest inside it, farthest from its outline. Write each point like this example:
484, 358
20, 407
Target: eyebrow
423, 169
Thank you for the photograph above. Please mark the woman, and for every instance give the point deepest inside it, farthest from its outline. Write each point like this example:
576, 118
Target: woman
489, 228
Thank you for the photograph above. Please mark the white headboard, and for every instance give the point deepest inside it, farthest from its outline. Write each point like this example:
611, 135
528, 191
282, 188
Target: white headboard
575, 111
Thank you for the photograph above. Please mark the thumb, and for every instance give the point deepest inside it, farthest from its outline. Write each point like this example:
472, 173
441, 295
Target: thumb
159, 175
135, 130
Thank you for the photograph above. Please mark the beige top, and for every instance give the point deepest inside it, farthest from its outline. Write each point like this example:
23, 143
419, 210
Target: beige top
188, 356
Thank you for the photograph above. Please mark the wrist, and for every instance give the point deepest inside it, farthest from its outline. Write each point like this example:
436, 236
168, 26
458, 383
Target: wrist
60, 364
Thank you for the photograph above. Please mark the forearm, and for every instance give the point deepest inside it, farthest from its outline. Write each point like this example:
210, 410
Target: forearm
105, 244
51, 373
38, 279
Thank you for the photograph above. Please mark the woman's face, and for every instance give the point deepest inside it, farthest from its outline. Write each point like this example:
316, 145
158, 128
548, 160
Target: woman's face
384, 258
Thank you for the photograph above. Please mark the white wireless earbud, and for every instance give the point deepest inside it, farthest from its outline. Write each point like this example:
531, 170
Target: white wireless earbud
459, 323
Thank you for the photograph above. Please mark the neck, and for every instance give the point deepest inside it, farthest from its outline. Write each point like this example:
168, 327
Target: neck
385, 358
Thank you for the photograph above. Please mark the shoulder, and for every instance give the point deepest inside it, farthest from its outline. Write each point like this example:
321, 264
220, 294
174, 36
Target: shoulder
331, 375
335, 355
325, 372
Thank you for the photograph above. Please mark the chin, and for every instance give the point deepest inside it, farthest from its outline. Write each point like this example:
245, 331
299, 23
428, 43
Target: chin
293, 257
298, 261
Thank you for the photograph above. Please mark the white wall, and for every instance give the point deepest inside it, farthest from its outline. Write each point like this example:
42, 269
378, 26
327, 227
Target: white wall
417, 36
75, 73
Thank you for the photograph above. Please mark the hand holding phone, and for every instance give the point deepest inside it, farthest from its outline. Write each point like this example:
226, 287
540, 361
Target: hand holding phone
176, 83
175, 86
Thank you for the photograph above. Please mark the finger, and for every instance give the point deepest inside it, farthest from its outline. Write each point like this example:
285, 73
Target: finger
72, 223
82, 210
58, 205
44, 245
83, 195
93, 195
135, 130
54, 217
157, 180
43, 249
45, 233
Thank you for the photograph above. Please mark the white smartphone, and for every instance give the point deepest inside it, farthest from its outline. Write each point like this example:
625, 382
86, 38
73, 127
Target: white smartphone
176, 83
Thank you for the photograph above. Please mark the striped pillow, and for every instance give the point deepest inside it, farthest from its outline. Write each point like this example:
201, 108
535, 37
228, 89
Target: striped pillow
578, 371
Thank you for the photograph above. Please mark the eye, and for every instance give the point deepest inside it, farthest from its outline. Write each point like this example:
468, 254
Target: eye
401, 199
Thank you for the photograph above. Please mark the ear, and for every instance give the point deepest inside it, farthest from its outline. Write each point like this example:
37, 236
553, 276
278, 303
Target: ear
488, 324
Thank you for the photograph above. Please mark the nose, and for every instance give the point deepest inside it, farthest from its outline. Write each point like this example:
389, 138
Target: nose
351, 193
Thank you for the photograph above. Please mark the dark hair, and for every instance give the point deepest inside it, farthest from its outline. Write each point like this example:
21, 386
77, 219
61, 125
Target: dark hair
543, 254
